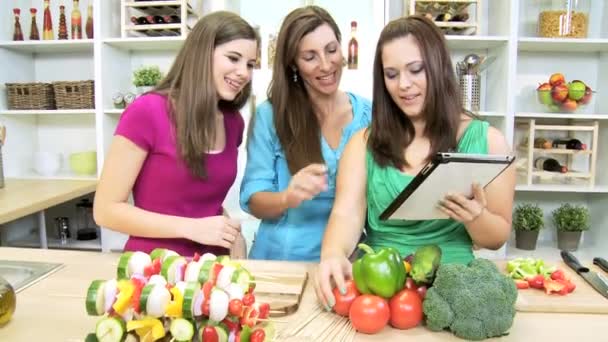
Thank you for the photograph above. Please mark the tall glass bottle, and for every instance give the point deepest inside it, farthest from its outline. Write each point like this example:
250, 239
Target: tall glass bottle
76, 21
63, 26
47, 24
17, 33
89, 24
34, 33
353, 47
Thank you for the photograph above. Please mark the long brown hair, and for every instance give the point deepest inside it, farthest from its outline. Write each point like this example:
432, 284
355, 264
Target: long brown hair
297, 127
391, 130
193, 99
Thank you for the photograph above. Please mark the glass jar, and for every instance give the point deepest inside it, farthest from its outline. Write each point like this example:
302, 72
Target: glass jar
8, 301
563, 19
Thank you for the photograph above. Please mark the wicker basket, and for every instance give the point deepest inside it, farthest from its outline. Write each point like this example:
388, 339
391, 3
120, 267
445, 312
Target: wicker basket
74, 95
30, 96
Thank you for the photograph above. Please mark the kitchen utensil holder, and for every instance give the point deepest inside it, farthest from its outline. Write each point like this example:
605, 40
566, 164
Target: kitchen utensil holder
470, 91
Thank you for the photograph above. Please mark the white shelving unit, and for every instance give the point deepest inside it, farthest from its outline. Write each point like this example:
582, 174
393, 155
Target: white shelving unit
507, 32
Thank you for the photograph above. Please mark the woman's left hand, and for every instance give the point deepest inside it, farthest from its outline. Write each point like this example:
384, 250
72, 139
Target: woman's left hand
462, 209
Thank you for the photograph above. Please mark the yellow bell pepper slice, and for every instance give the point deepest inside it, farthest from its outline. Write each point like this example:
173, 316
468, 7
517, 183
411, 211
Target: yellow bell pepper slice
125, 293
148, 329
408, 267
174, 308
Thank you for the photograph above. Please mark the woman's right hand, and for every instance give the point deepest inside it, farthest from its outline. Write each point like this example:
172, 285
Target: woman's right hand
305, 185
337, 268
214, 230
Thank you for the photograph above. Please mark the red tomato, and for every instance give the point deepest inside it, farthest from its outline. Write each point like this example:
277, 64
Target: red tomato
258, 335
369, 314
235, 307
343, 302
406, 309
248, 299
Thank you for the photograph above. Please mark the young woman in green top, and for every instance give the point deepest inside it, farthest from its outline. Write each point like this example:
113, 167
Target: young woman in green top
416, 112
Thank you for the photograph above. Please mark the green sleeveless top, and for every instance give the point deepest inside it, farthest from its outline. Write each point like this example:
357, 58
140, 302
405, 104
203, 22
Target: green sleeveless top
383, 186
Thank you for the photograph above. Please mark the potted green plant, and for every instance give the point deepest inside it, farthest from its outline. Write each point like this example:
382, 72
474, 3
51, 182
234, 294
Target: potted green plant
527, 222
570, 221
146, 77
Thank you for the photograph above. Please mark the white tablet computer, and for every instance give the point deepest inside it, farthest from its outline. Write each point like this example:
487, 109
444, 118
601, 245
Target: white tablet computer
447, 172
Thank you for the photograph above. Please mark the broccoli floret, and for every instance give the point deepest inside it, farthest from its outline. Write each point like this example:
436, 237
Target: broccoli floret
475, 301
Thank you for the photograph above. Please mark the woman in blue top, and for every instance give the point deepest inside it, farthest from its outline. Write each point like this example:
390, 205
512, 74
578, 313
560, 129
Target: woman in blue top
297, 137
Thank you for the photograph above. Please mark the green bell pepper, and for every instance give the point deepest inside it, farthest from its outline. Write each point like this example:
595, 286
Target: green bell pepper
381, 273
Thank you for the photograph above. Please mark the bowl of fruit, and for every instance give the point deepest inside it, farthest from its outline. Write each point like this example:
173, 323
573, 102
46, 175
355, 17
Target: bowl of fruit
561, 96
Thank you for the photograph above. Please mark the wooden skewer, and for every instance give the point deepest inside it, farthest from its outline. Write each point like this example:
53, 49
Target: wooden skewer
271, 320
327, 329
314, 314
265, 277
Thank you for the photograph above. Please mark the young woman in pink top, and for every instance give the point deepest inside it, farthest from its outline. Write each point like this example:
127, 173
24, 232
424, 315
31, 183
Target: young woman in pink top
175, 148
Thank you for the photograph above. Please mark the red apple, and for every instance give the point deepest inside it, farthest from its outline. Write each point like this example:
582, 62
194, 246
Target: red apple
587, 97
559, 93
544, 93
569, 105
557, 79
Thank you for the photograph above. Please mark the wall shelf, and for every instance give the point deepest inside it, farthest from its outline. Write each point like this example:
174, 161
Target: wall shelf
147, 43
49, 112
49, 46
562, 45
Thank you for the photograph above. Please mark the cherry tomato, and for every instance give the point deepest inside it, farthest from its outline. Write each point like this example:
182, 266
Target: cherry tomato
258, 335
406, 309
343, 302
248, 299
558, 275
209, 334
369, 314
410, 284
421, 291
264, 310
235, 307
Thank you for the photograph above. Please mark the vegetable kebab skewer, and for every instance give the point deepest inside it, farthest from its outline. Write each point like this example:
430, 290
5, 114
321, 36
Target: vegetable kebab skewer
165, 292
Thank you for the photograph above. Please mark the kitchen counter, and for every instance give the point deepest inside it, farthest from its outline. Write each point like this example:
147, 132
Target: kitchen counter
53, 309
22, 197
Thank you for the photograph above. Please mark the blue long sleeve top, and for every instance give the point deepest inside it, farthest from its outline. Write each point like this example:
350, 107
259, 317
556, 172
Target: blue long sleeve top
298, 232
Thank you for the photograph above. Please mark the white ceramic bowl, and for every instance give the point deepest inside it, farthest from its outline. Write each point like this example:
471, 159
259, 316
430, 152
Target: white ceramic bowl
47, 163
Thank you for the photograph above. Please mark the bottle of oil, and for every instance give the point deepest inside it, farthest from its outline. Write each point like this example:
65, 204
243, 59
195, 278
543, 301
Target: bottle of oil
7, 301
353, 47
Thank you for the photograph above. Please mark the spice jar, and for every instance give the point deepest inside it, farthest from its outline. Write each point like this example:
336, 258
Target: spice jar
564, 19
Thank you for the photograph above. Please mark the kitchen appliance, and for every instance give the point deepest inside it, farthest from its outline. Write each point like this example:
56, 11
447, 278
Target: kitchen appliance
63, 229
87, 229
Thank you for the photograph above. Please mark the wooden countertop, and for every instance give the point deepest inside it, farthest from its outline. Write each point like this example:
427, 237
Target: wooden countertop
22, 197
54, 308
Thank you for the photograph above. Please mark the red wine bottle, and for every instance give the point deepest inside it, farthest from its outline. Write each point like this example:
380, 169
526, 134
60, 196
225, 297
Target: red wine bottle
158, 19
140, 20
550, 164
570, 144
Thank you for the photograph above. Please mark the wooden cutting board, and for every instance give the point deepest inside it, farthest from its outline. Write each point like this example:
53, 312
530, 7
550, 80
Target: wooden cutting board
584, 299
281, 287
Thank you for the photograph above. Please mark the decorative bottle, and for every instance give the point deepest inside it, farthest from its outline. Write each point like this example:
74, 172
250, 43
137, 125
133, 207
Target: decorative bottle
63, 26
17, 33
89, 24
47, 24
34, 33
353, 47
76, 21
